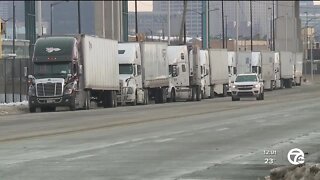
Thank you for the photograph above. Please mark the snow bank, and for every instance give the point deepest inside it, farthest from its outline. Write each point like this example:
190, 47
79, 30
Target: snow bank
23, 103
13, 108
298, 172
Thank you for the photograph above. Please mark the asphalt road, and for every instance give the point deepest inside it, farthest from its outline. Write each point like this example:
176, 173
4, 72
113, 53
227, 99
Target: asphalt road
211, 139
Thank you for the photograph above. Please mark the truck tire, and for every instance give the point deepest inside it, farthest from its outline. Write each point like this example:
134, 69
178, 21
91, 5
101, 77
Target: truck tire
107, 99
32, 109
114, 99
163, 95
235, 99
134, 103
72, 106
87, 101
193, 93
271, 85
289, 83
262, 96
211, 92
198, 95
172, 96
225, 89
146, 97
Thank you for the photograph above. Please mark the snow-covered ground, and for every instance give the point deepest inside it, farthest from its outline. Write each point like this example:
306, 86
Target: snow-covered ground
13, 108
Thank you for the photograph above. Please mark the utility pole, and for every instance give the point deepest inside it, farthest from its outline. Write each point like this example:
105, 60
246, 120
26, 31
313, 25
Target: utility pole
307, 43
169, 18
273, 27
227, 32
79, 18
136, 17
13, 45
251, 24
222, 23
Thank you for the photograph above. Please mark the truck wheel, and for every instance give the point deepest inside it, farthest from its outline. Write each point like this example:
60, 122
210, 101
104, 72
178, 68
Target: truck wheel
146, 97
211, 92
271, 85
173, 95
135, 101
32, 109
225, 89
163, 95
198, 90
72, 106
114, 99
235, 99
262, 96
193, 94
87, 101
289, 82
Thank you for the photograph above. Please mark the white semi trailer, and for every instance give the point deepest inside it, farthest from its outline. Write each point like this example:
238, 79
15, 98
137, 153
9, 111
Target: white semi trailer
256, 64
219, 76
205, 74
244, 62
298, 64
286, 69
144, 72
185, 73
270, 70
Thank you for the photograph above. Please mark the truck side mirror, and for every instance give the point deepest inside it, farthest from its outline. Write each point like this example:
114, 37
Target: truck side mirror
25, 71
80, 69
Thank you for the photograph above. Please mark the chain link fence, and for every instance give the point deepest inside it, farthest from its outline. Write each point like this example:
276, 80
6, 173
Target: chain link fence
13, 86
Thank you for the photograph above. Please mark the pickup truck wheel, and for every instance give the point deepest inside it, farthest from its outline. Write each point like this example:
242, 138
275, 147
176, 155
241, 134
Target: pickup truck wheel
32, 109
235, 99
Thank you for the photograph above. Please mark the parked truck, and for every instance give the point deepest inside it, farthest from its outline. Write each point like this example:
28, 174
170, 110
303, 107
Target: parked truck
205, 74
219, 76
232, 68
270, 70
256, 64
72, 71
185, 73
144, 72
298, 63
286, 69
244, 62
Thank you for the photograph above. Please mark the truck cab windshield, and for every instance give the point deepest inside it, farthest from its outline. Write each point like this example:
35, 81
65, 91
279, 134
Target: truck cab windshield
246, 78
52, 70
125, 69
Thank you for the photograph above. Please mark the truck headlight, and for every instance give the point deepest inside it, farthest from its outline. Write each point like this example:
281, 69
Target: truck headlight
68, 91
256, 86
234, 86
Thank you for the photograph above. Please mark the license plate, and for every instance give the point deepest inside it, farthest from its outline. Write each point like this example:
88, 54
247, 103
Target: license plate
50, 101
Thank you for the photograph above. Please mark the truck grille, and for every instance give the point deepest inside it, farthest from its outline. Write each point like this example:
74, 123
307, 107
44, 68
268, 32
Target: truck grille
49, 89
245, 94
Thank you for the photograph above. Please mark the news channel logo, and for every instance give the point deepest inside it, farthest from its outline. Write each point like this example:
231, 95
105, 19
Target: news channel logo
296, 156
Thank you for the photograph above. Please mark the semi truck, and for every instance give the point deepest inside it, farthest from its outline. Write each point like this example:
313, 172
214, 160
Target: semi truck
286, 69
144, 72
232, 68
219, 76
298, 63
244, 62
185, 73
270, 70
205, 74
256, 63
72, 71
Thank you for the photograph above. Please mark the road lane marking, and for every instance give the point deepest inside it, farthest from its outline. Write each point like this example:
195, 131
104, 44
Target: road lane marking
80, 157
222, 129
164, 140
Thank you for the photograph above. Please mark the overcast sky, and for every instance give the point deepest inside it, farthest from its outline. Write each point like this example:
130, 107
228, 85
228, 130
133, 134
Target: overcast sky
142, 5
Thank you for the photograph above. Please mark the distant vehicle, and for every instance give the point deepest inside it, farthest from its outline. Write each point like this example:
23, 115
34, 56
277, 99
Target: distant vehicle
144, 72
247, 85
185, 73
72, 71
286, 69
219, 76
298, 58
205, 74
271, 70
232, 67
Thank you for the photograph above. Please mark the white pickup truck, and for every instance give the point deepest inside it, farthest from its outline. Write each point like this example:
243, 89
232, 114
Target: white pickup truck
247, 85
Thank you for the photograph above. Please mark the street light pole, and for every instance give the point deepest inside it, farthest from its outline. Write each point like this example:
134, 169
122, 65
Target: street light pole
307, 43
13, 46
136, 18
79, 18
251, 24
227, 32
222, 23
51, 9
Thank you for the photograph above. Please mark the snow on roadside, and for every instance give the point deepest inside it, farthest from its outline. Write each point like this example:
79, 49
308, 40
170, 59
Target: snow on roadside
13, 108
295, 172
